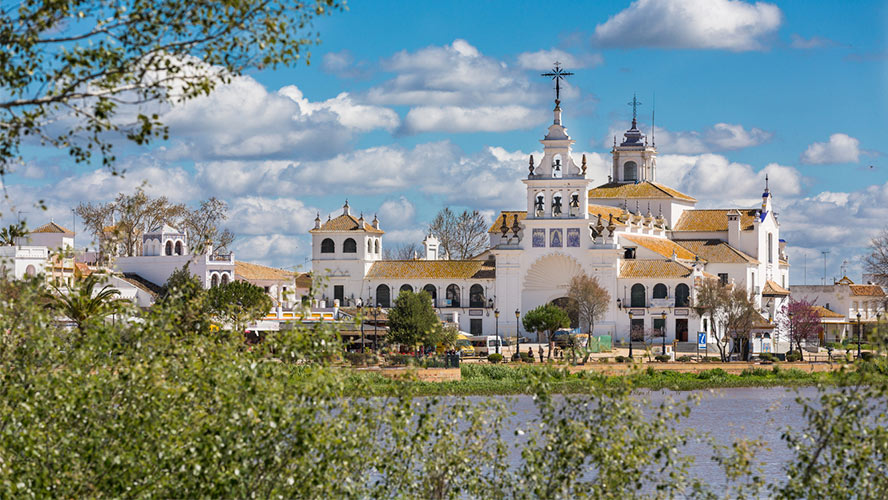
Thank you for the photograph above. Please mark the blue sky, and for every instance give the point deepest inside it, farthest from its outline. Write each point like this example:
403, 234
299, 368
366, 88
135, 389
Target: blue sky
407, 107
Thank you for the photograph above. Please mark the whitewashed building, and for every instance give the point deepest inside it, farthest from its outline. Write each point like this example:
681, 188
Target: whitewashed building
645, 242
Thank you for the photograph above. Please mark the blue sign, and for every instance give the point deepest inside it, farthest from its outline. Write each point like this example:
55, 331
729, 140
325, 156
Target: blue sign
701, 340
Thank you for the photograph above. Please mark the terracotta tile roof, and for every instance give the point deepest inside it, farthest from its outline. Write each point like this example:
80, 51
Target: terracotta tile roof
644, 190
867, 290
52, 227
82, 268
845, 281
432, 269
346, 222
713, 219
248, 271
139, 282
303, 280
717, 251
826, 313
653, 269
662, 246
619, 214
772, 289
498, 221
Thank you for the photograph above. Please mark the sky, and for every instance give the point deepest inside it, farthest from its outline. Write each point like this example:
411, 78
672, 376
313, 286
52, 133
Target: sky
408, 107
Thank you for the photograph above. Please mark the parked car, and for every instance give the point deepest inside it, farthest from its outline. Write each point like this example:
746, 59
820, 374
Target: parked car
565, 339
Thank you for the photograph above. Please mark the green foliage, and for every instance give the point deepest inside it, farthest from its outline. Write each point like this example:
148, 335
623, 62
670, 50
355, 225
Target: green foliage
413, 320
663, 358
767, 356
360, 358
95, 65
184, 297
10, 233
495, 357
622, 359
545, 318
684, 359
83, 304
793, 356
238, 303
401, 359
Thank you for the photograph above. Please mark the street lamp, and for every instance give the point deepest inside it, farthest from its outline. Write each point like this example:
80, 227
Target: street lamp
361, 319
517, 335
496, 317
859, 330
663, 331
630, 334
790, 330
375, 328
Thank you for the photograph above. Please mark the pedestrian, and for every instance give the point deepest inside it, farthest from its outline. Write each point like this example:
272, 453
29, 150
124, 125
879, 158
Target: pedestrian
530, 354
540, 352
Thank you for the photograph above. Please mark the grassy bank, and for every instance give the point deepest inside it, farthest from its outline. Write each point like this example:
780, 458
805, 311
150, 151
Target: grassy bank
484, 379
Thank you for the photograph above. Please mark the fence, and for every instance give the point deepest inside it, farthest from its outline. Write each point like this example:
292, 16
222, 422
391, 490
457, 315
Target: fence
602, 343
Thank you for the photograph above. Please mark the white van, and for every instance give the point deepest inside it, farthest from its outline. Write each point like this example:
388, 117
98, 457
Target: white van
485, 344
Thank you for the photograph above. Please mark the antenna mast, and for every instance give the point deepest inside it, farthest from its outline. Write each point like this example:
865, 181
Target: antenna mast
825, 253
653, 116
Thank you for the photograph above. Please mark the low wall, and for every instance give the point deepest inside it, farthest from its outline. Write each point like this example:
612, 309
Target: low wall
420, 374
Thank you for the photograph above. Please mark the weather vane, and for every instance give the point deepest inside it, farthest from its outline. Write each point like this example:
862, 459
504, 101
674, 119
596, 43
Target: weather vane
558, 74
635, 104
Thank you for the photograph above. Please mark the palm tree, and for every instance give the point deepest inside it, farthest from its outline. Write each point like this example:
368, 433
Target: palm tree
82, 304
9, 234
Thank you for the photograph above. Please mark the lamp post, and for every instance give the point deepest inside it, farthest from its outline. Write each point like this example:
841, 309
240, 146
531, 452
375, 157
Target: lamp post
859, 331
663, 331
630, 334
375, 328
790, 330
517, 335
361, 319
496, 318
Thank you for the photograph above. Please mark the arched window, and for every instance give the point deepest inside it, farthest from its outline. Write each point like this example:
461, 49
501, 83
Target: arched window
476, 296
178, 248
433, 293
30, 270
349, 246
557, 205
630, 171
214, 281
682, 295
770, 248
660, 291
638, 298
383, 296
453, 295
376, 247
327, 246
406, 288
169, 248
369, 246
557, 167
224, 280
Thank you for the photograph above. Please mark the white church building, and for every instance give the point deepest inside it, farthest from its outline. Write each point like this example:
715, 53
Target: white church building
645, 242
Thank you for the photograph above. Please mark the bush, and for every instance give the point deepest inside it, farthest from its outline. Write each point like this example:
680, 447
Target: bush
401, 359
359, 358
867, 356
684, 359
622, 359
494, 358
754, 372
663, 358
434, 362
527, 358
793, 356
516, 357
767, 357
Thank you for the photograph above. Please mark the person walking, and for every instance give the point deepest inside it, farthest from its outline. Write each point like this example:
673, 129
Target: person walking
540, 352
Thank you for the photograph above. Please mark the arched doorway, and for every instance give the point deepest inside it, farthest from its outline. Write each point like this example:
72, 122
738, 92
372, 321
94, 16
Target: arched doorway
568, 305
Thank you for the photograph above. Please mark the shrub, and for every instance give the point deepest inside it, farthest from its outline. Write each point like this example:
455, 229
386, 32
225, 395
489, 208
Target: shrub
793, 356
710, 374
663, 358
754, 372
434, 362
527, 358
684, 359
621, 359
516, 357
767, 357
867, 356
494, 358
401, 359
359, 358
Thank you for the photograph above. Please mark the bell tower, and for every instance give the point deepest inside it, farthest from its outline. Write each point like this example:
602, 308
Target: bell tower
556, 186
634, 159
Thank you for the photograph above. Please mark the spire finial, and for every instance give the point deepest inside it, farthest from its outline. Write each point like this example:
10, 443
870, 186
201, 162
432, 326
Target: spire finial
584, 164
531, 165
557, 74
766, 184
635, 104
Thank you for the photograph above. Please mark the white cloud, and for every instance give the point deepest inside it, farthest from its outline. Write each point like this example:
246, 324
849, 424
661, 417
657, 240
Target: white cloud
691, 24
397, 213
841, 148
258, 215
273, 249
462, 119
543, 60
727, 136
244, 120
800, 42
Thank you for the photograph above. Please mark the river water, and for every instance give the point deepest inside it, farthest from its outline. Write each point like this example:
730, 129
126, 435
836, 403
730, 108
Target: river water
724, 414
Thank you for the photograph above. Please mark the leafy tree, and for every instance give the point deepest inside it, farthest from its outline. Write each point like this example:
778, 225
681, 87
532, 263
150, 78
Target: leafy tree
128, 217
202, 225
184, 297
446, 337
589, 298
800, 321
546, 318
731, 311
412, 321
238, 303
10, 233
101, 67
82, 304
462, 235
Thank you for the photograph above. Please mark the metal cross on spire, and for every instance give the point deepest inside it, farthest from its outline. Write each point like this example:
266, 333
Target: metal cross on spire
558, 74
635, 104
